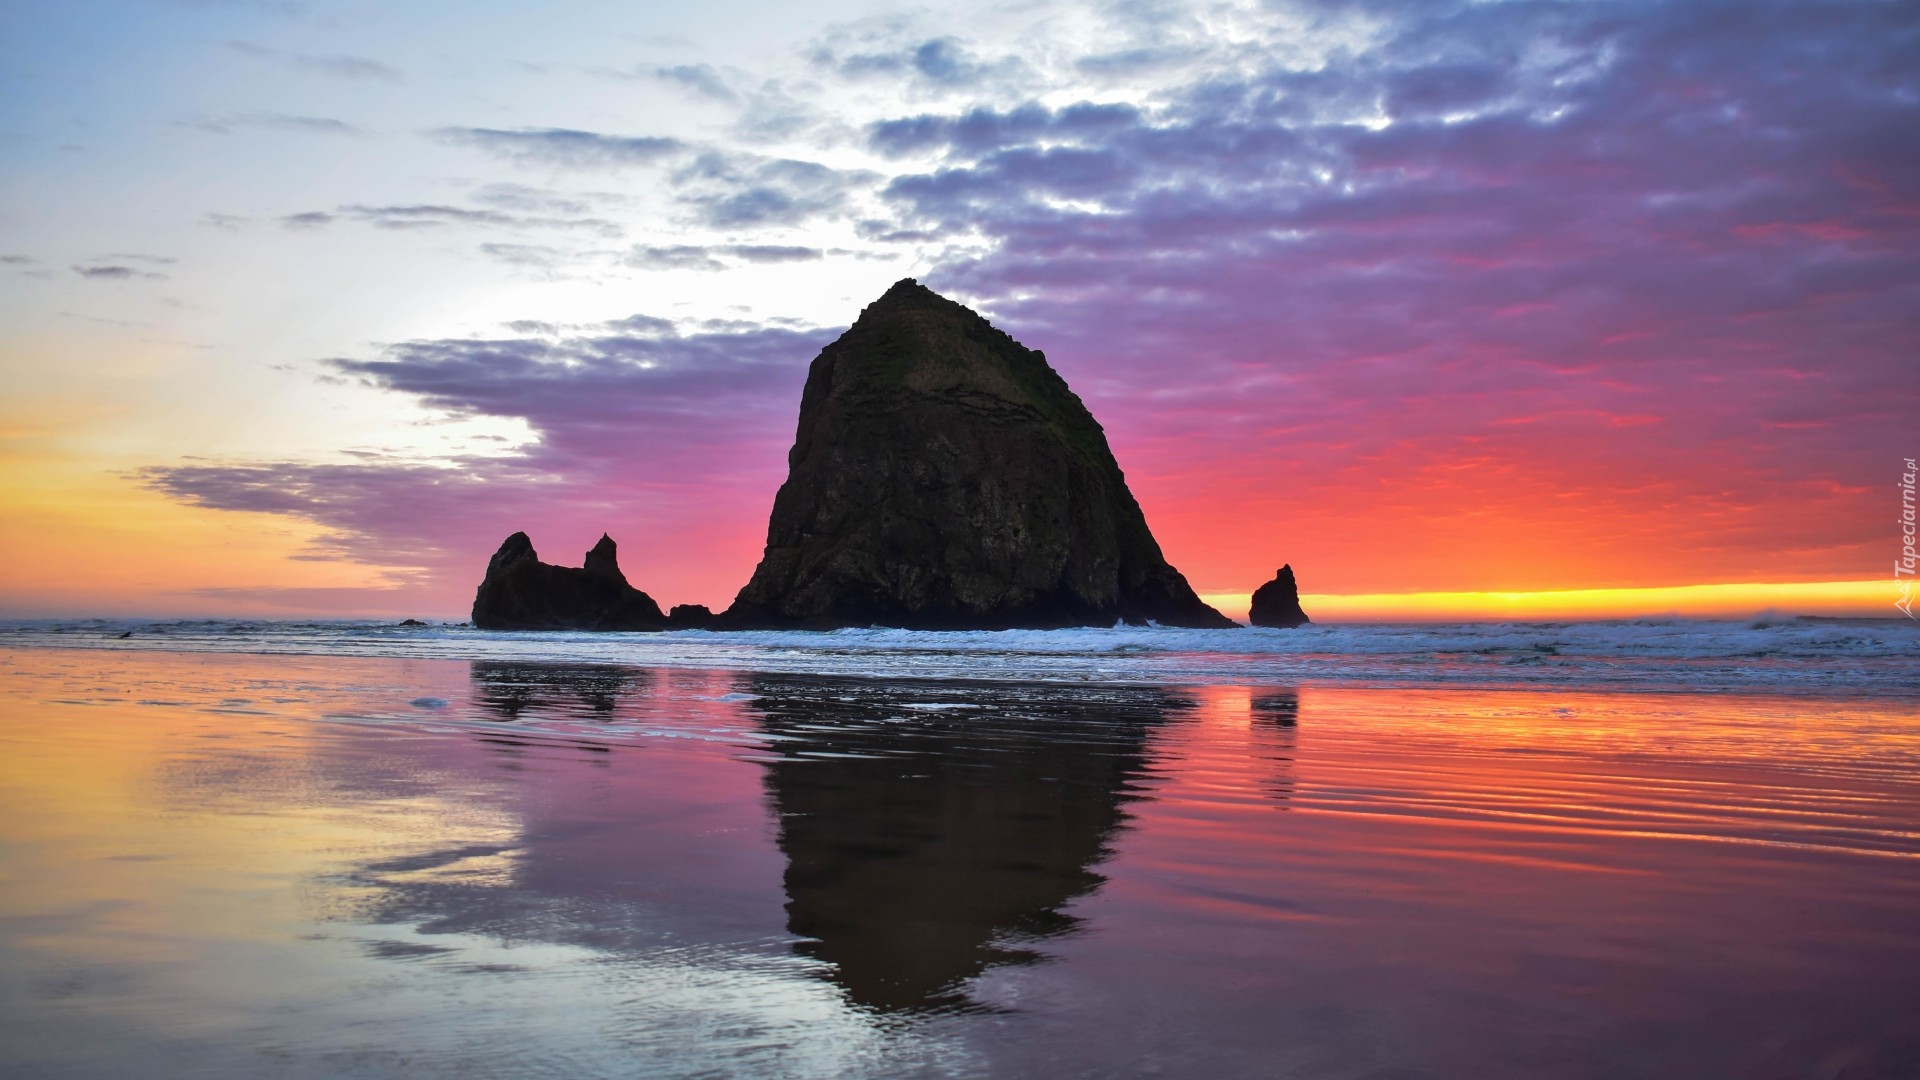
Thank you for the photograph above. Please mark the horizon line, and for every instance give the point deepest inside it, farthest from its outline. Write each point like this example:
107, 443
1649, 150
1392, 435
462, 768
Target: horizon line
1740, 600
1841, 599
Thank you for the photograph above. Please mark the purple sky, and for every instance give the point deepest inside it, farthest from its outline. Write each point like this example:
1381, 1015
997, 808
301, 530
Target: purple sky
1415, 296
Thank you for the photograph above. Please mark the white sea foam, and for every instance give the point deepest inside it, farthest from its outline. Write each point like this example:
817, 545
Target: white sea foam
1874, 657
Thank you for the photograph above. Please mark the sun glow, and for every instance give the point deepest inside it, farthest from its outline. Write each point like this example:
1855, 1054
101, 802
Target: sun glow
1832, 598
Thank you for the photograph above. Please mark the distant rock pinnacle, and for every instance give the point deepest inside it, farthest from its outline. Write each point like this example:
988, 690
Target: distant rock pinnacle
1277, 603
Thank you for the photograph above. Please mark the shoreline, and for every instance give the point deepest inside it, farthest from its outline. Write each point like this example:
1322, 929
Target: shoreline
1817, 659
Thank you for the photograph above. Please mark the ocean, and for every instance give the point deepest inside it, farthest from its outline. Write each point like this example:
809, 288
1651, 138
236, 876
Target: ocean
1821, 656
1651, 848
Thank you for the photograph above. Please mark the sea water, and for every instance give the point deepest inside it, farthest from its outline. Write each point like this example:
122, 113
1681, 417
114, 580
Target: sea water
1845, 656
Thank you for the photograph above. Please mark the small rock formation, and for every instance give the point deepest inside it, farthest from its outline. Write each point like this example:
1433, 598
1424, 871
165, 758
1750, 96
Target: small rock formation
944, 477
689, 617
522, 593
1277, 603
411, 622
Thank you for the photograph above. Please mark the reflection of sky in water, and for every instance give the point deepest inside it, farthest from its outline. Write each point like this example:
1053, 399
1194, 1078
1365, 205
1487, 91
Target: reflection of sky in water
593, 870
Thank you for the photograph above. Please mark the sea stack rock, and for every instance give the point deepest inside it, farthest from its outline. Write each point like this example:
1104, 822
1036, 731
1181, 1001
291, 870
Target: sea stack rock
689, 617
944, 477
522, 593
1277, 603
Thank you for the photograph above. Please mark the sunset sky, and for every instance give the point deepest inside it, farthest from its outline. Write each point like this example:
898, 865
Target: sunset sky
305, 306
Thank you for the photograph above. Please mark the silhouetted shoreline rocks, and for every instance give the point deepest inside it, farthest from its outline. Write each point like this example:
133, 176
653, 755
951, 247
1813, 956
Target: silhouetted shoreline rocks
1277, 603
522, 593
942, 477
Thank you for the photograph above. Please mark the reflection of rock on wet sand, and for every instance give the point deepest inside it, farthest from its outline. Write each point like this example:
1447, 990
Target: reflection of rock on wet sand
924, 844
1277, 713
509, 689
929, 831
1280, 707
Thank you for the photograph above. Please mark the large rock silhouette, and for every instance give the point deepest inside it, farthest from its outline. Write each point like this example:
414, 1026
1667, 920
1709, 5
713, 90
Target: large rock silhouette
522, 593
1277, 603
944, 477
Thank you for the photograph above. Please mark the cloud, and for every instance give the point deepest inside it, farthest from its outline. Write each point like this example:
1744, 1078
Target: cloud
1437, 90
1133, 63
643, 326
524, 199
677, 435
945, 63
414, 216
674, 257
306, 125
697, 257
733, 191
347, 67
768, 112
332, 65
389, 515
565, 147
114, 267
528, 256
773, 253
983, 130
773, 114
704, 80
426, 216
701, 81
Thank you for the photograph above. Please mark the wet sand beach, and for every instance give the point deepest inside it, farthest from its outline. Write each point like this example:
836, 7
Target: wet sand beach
233, 864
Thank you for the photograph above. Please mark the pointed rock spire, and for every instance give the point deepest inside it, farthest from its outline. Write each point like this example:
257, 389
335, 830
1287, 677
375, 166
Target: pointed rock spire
943, 476
1277, 603
604, 561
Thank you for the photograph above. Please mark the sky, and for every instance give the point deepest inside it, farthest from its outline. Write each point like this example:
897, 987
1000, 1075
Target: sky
1463, 309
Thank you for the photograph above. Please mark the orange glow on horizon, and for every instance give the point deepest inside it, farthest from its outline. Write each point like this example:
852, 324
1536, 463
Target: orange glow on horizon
1871, 599
84, 539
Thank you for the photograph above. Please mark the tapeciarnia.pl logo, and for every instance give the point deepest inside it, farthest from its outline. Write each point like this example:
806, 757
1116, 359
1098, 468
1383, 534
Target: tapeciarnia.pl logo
1903, 566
